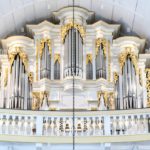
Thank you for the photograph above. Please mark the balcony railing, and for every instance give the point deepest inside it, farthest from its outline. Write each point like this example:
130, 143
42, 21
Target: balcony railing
106, 123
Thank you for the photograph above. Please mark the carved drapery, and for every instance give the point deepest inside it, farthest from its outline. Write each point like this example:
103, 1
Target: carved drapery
38, 98
21, 53
98, 42
42, 42
67, 27
88, 58
128, 53
147, 70
57, 58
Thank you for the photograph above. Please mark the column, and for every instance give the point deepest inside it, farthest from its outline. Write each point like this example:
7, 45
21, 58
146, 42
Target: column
120, 88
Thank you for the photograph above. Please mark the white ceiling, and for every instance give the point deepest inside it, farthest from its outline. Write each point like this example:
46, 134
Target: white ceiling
132, 14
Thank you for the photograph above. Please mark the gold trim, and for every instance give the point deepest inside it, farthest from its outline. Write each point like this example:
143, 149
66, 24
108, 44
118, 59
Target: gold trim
147, 70
21, 53
6, 77
88, 58
42, 42
123, 56
98, 42
67, 27
56, 58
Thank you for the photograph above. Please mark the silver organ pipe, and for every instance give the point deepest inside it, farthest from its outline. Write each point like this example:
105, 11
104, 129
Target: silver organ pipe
100, 64
18, 85
74, 51
89, 70
45, 63
129, 85
56, 70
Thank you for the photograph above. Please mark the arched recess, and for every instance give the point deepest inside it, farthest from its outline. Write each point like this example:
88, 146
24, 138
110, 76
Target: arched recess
45, 59
89, 67
57, 66
20, 87
129, 71
101, 58
73, 53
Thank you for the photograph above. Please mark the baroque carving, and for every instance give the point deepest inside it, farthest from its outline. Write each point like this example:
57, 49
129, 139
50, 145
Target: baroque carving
147, 70
21, 53
42, 42
128, 53
98, 42
67, 27
88, 58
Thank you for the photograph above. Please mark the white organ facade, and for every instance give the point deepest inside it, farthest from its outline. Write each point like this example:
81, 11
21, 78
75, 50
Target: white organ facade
111, 83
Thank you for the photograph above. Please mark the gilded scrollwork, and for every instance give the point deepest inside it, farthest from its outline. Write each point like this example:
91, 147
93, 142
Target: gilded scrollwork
147, 70
128, 53
21, 53
6, 77
88, 58
67, 27
57, 58
42, 43
38, 98
98, 42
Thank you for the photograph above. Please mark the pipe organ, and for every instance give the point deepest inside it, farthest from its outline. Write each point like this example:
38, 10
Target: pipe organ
105, 66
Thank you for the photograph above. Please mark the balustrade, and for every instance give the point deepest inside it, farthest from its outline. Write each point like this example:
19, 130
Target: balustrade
102, 125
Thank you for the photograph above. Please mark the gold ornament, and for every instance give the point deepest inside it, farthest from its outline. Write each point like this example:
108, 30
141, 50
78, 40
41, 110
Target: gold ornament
88, 58
67, 27
37, 99
98, 43
128, 53
147, 70
57, 58
6, 77
42, 43
116, 77
23, 57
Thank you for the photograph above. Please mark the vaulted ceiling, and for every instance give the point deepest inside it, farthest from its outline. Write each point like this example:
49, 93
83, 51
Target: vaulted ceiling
133, 15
